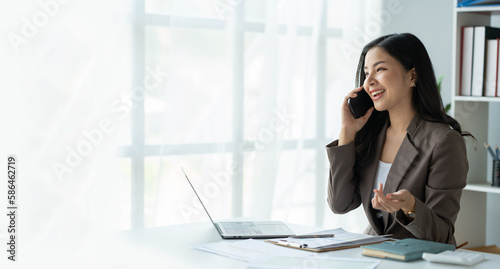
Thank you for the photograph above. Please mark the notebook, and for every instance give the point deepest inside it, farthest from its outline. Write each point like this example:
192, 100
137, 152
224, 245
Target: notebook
405, 250
246, 229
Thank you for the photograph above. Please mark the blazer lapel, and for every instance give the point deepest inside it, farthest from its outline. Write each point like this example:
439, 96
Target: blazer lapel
366, 188
402, 162
404, 158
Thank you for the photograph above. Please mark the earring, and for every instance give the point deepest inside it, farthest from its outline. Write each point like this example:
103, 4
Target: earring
413, 85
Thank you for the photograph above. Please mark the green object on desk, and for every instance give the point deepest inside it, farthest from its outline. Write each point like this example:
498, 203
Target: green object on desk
405, 250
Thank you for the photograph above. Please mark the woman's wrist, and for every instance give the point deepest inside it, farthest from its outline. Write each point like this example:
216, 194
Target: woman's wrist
346, 136
410, 207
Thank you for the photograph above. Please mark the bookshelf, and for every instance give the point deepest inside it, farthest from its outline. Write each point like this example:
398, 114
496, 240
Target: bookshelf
479, 216
482, 187
476, 99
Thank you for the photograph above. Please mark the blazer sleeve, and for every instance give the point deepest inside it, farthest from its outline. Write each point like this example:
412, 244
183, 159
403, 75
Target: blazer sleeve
343, 186
447, 174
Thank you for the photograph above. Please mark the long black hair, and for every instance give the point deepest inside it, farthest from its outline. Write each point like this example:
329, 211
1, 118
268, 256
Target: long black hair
426, 100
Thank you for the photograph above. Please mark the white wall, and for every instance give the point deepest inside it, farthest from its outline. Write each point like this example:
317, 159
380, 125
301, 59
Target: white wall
432, 22
493, 199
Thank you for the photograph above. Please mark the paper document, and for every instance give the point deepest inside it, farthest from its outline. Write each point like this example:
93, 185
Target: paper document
315, 262
342, 238
250, 250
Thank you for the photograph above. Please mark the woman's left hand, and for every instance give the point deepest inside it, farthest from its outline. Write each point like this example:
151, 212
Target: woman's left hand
392, 202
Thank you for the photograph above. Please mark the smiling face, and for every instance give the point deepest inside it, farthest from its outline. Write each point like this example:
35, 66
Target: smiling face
387, 82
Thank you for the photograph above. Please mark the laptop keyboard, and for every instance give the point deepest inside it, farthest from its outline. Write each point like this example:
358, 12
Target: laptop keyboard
241, 228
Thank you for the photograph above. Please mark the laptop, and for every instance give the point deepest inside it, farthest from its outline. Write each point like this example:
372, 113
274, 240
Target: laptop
246, 229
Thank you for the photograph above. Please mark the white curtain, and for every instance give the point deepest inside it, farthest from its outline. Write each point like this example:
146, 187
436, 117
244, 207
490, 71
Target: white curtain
104, 101
272, 54
361, 22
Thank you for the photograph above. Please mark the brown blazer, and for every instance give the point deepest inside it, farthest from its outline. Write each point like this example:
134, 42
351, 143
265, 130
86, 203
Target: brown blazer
431, 163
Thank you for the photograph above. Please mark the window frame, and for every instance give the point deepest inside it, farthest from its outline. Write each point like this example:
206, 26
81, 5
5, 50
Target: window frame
138, 150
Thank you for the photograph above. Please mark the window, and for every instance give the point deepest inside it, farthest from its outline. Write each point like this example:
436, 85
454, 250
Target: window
236, 93
106, 100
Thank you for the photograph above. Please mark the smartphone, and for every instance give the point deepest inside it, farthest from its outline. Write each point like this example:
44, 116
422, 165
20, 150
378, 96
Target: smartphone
360, 104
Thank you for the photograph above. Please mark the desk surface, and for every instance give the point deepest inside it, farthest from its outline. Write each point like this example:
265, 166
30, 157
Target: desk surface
172, 247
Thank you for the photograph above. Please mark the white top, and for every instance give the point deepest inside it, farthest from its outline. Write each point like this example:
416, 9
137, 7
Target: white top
381, 177
382, 172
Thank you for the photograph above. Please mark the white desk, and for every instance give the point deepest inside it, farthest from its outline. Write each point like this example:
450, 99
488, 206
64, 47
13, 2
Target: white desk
172, 247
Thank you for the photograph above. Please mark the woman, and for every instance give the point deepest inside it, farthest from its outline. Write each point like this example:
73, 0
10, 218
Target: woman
405, 159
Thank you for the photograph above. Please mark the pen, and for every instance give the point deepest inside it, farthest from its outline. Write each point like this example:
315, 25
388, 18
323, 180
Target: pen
490, 151
467, 242
291, 244
312, 236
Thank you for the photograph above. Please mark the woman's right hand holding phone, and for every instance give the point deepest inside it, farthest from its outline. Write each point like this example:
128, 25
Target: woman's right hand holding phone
350, 125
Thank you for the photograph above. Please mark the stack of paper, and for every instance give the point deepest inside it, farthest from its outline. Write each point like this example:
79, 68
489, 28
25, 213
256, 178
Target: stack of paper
261, 255
313, 262
341, 240
249, 250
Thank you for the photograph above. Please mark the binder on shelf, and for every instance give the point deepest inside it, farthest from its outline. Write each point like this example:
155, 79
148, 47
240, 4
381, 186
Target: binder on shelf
466, 60
491, 68
481, 34
473, 60
468, 3
478, 61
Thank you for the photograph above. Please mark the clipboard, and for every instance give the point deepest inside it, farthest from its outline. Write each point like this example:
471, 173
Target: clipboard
342, 240
327, 249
